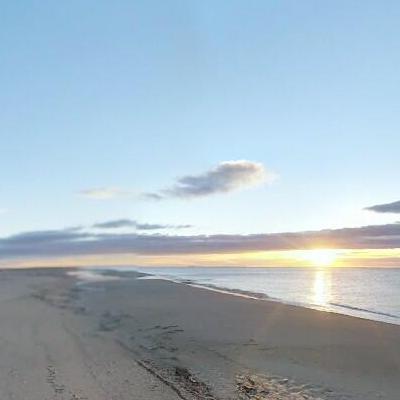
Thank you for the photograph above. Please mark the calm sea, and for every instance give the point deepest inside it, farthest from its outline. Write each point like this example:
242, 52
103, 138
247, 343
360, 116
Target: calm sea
372, 293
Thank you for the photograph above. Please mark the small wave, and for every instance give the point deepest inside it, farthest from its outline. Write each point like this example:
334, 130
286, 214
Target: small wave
238, 292
364, 310
209, 286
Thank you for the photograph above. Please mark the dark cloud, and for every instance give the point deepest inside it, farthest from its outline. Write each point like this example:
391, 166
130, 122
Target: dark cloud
393, 208
75, 242
129, 223
226, 177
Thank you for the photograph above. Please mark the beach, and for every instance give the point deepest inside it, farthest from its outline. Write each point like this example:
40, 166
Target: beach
122, 337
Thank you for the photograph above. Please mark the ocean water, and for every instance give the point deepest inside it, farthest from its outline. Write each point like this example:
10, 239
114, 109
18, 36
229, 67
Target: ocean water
371, 293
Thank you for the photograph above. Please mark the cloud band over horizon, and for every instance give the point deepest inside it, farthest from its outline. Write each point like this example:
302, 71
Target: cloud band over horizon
75, 242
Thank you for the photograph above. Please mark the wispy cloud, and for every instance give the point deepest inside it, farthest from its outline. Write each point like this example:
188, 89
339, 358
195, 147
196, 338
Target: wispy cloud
151, 196
73, 242
228, 176
393, 208
129, 223
104, 193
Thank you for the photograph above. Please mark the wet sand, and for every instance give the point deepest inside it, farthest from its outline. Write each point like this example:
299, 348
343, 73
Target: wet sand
150, 339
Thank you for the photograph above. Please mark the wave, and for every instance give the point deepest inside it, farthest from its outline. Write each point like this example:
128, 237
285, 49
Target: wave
238, 292
364, 310
215, 288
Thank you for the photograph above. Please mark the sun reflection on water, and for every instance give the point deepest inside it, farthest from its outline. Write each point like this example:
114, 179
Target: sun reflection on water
322, 287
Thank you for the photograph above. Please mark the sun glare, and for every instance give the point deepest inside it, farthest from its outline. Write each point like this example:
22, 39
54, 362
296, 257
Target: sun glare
320, 257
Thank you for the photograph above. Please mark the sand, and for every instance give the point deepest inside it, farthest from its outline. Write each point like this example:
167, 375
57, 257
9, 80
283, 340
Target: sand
130, 338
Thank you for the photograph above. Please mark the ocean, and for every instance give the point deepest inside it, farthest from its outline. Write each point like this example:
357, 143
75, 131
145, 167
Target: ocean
371, 293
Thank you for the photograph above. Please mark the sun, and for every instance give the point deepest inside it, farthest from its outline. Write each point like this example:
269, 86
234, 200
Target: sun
320, 257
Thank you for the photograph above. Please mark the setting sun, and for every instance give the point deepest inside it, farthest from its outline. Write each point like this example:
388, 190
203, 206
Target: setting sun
320, 257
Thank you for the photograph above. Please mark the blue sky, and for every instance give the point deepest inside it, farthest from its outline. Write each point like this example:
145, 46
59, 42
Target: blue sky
135, 94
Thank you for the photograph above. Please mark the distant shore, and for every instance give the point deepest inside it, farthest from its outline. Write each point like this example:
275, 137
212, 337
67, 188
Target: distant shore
153, 339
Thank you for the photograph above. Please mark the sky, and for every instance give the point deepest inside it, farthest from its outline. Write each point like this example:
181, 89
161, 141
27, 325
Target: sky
132, 131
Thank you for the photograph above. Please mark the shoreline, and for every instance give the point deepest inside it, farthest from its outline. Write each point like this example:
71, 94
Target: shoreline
341, 309
350, 311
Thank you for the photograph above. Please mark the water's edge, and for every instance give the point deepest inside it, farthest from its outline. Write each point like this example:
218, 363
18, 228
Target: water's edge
335, 308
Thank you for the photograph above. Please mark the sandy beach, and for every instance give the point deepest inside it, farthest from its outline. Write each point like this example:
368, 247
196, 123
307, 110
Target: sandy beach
130, 338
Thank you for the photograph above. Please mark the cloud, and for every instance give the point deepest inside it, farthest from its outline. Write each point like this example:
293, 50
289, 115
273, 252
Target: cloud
152, 196
147, 227
104, 193
386, 208
129, 223
43, 237
74, 242
117, 223
226, 177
